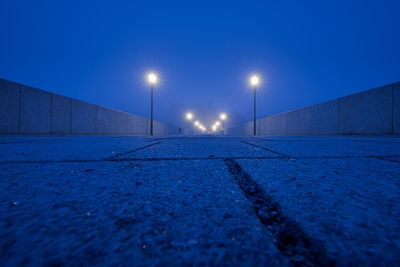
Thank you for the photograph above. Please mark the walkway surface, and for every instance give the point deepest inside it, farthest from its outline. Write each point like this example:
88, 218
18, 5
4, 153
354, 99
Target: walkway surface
199, 200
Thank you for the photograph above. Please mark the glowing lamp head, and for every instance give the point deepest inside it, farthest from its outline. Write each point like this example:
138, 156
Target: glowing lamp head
217, 123
196, 123
152, 78
189, 116
214, 128
222, 116
254, 80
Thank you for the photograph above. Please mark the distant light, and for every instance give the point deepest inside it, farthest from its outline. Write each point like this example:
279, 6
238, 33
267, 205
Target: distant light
214, 127
189, 116
254, 80
222, 116
196, 123
217, 123
152, 77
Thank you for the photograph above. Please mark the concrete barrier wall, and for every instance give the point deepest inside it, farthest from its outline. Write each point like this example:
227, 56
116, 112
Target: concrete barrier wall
396, 108
61, 108
35, 115
372, 112
29, 111
369, 112
9, 107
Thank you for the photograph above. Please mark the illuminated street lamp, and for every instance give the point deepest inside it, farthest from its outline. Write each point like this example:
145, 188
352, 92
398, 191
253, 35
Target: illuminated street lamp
201, 127
196, 123
189, 117
152, 80
223, 118
254, 80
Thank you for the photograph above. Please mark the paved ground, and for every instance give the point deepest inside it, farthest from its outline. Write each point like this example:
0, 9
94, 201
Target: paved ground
200, 200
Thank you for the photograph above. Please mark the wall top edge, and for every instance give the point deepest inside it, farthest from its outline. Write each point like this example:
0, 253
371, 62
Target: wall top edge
74, 99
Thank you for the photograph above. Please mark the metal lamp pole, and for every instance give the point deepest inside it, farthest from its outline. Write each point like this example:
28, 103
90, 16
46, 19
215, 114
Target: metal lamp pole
152, 80
254, 109
151, 120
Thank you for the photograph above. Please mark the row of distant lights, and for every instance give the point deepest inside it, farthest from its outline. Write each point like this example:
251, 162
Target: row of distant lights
254, 80
189, 117
217, 123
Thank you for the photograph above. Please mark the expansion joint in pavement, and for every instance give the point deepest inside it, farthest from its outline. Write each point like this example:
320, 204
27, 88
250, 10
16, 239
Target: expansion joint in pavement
136, 149
269, 150
290, 239
386, 159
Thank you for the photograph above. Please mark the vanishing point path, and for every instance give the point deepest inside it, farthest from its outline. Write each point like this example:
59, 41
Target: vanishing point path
199, 201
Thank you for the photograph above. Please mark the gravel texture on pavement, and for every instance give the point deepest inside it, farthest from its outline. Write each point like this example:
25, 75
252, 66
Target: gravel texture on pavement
199, 200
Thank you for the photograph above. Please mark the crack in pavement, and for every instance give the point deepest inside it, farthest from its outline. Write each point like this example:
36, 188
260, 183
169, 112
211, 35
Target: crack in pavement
290, 239
269, 150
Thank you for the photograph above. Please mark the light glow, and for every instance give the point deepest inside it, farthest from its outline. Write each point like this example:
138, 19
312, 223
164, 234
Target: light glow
197, 123
222, 116
254, 80
189, 116
152, 77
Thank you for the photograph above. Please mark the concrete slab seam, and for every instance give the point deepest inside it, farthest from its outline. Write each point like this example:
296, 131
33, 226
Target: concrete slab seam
136, 149
288, 235
193, 158
269, 150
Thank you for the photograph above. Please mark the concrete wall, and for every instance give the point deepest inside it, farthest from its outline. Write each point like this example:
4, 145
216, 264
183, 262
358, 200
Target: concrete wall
29, 111
9, 107
61, 108
369, 112
396, 108
372, 112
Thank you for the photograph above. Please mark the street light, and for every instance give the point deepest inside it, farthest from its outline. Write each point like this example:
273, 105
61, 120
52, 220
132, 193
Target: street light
196, 123
152, 77
254, 80
223, 118
189, 117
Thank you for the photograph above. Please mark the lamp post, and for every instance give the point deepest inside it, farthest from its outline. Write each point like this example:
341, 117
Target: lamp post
197, 123
254, 81
223, 118
189, 117
152, 80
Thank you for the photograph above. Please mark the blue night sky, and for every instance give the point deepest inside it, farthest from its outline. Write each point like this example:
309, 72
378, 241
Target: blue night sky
204, 51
